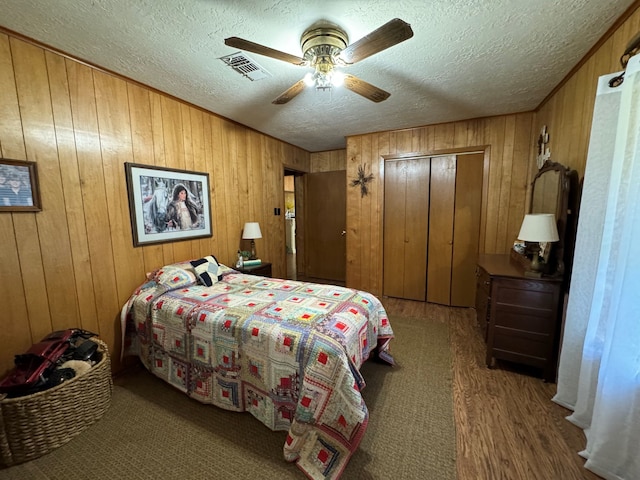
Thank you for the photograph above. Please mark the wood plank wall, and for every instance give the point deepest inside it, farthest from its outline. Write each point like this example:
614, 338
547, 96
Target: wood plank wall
510, 163
328, 161
74, 264
506, 141
567, 113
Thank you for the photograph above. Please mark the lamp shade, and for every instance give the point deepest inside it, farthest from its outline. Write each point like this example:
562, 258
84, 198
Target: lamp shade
539, 227
251, 230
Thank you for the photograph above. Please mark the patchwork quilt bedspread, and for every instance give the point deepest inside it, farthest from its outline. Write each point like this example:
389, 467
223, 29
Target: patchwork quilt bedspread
287, 352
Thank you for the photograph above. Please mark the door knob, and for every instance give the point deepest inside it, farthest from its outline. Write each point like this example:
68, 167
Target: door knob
344, 232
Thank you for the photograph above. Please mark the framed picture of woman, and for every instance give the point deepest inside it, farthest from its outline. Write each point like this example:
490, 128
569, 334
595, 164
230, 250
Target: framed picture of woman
19, 190
167, 205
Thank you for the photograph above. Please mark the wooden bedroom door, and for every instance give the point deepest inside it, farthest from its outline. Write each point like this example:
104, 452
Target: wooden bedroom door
440, 196
326, 220
406, 207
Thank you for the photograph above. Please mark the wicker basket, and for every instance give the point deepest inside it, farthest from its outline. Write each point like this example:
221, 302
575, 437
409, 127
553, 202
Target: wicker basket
35, 424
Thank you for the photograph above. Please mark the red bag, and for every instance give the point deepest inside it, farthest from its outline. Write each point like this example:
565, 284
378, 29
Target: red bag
34, 367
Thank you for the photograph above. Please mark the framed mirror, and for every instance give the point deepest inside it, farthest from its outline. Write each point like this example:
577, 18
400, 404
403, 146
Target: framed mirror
555, 190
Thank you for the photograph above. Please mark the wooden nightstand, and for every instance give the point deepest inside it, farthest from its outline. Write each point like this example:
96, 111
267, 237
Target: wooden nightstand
263, 270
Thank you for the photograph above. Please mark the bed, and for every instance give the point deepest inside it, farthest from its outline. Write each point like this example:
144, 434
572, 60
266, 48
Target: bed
287, 352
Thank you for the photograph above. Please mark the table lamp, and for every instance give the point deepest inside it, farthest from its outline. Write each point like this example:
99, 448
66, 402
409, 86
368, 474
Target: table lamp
251, 231
541, 228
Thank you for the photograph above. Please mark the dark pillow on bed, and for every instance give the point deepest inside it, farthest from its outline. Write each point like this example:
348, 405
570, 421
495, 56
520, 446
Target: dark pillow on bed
207, 270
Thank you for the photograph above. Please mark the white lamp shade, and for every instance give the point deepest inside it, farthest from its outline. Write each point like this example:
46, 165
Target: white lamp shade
539, 227
251, 230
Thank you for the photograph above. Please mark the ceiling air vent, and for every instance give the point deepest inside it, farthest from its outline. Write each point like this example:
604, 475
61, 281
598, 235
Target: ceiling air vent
245, 66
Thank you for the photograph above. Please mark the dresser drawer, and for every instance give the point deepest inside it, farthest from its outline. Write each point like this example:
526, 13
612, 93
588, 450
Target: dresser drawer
521, 347
525, 320
526, 294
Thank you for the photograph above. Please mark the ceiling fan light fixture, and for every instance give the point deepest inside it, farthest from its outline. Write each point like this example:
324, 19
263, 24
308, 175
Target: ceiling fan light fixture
337, 78
322, 80
309, 79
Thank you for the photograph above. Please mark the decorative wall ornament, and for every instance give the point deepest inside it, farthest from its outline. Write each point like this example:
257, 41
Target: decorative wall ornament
362, 180
543, 151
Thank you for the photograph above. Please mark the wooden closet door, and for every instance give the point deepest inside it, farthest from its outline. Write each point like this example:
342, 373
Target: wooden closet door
432, 214
454, 228
395, 194
441, 210
466, 228
406, 216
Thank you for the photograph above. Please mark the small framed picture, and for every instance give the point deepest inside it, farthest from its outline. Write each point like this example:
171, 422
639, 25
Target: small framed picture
167, 205
19, 191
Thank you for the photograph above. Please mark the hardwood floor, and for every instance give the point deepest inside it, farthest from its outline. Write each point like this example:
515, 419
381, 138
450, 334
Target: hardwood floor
507, 427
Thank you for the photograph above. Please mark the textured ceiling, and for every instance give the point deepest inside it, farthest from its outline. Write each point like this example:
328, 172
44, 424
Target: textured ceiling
467, 58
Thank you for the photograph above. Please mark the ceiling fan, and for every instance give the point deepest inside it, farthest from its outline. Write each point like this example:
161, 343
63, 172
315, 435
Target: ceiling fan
325, 46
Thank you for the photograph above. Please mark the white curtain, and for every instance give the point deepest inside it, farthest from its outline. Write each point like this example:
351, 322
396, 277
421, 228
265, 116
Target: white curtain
599, 372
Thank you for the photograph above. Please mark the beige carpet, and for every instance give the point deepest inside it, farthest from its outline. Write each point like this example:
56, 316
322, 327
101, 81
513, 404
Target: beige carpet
153, 431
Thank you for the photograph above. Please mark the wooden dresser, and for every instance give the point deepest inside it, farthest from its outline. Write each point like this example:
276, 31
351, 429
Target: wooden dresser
520, 316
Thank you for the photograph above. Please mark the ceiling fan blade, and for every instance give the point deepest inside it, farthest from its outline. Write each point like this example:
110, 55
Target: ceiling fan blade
243, 44
365, 89
294, 90
388, 35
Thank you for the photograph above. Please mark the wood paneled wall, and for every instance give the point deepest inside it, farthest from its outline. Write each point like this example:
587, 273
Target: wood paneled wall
328, 161
73, 264
510, 164
507, 143
568, 112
